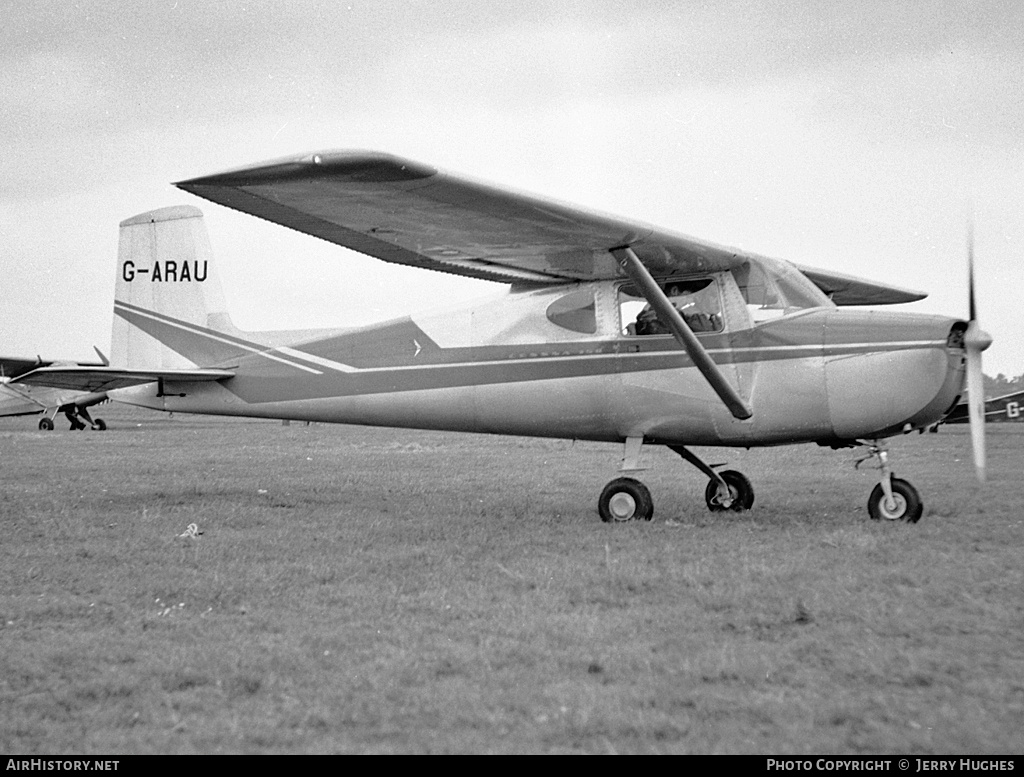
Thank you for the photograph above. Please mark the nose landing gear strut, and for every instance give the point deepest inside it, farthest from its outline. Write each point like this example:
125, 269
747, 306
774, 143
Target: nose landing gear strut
892, 499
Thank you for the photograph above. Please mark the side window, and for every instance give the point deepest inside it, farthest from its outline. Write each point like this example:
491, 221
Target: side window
697, 300
575, 311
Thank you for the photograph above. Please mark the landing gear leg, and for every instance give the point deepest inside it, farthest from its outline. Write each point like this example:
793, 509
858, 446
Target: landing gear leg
892, 499
727, 490
79, 418
626, 498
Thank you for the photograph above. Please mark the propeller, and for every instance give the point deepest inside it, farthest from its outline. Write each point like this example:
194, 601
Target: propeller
976, 340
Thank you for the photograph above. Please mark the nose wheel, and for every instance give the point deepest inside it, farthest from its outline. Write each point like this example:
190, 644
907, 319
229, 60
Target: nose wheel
892, 498
905, 504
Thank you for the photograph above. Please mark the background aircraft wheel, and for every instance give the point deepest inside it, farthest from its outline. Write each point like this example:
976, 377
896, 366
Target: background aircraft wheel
625, 499
99, 425
739, 488
46, 425
908, 503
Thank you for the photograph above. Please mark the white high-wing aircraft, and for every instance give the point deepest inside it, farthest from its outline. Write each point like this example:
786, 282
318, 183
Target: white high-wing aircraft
26, 399
612, 330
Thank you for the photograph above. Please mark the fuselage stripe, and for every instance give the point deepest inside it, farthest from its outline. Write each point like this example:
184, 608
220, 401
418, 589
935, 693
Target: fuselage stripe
775, 350
331, 365
202, 332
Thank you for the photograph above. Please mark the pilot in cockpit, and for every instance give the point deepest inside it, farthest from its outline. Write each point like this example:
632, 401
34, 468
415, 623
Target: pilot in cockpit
683, 298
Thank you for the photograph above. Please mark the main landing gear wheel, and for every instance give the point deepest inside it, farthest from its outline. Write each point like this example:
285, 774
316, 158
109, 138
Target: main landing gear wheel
906, 505
45, 425
99, 425
741, 493
625, 499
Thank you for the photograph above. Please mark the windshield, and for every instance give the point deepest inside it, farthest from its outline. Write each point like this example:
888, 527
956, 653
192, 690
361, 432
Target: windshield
773, 289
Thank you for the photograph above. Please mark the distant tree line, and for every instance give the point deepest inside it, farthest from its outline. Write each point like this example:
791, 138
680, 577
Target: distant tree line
1002, 384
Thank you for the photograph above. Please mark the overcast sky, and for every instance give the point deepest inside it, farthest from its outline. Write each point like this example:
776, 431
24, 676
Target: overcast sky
853, 136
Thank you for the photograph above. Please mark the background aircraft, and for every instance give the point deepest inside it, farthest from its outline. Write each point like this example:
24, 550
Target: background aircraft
1004, 408
26, 399
750, 351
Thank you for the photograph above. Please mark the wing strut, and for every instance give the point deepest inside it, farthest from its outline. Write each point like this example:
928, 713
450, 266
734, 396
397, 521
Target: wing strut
671, 317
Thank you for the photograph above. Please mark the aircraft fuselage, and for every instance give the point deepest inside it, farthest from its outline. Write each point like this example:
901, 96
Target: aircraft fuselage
512, 366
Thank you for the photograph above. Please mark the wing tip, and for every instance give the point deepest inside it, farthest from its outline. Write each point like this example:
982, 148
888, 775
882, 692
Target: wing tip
850, 290
353, 165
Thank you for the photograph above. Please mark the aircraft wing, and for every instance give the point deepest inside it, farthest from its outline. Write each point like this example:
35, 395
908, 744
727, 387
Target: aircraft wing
98, 379
847, 290
409, 213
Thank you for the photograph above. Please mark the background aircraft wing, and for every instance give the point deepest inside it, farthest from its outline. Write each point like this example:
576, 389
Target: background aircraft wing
406, 212
847, 290
98, 379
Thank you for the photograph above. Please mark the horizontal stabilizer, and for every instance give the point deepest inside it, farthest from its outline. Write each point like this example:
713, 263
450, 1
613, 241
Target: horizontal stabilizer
92, 379
848, 290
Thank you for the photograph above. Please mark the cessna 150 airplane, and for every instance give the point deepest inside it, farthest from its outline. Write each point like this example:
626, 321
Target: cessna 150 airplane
612, 330
33, 400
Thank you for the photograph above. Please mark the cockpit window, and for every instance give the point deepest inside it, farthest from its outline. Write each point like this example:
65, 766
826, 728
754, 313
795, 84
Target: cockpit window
575, 311
773, 289
697, 299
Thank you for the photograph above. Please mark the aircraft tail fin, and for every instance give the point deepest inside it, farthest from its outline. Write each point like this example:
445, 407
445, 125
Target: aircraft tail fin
169, 308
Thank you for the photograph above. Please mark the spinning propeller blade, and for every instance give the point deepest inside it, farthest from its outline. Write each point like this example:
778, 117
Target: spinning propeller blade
976, 340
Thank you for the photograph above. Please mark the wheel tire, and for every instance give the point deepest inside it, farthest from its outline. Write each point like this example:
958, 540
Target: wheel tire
909, 507
99, 425
46, 425
625, 499
739, 487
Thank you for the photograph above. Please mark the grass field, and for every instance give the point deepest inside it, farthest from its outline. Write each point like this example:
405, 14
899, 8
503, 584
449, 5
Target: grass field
364, 590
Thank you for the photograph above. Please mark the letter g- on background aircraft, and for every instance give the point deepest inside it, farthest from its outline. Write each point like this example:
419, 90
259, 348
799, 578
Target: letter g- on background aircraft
613, 330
